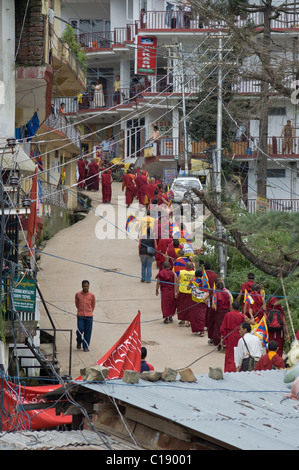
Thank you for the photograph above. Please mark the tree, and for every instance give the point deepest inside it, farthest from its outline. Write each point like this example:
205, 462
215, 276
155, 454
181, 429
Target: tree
270, 240
269, 61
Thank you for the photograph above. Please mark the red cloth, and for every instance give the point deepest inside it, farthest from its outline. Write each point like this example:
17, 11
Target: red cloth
93, 176
212, 276
223, 305
229, 331
278, 336
197, 316
106, 186
82, 173
128, 183
168, 302
265, 363
161, 250
256, 307
149, 191
141, 184
184, 303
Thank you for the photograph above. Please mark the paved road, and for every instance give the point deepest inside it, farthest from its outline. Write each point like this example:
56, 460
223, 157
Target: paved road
77, 253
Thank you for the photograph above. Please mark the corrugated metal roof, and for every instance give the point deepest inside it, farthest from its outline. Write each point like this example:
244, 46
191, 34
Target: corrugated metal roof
246, 410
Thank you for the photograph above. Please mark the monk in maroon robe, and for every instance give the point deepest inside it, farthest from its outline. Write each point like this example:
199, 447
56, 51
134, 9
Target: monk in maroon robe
223, 306
270, 360
162, 244
93, 178
106, 180
246, 286
257, 309
129, 186
149, 192
210, 318
230, 335
82, 172
198, 312
279, 335
141, 184
166, 283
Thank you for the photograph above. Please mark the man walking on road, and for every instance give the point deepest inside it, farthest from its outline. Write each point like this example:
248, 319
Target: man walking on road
85, 303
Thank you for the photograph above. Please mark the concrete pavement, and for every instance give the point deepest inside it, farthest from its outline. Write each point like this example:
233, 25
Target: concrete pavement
113, 268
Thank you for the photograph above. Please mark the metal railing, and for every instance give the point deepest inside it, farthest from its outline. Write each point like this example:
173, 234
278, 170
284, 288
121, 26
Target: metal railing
53, 195
59, 121
161, 20
286, 205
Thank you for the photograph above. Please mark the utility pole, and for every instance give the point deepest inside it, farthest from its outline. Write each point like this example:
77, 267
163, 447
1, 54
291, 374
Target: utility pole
217, 160
184, 109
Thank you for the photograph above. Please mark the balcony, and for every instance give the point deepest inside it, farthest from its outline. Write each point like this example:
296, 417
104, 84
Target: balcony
103, 40
59, 123
70, 77
176, 20
286, 205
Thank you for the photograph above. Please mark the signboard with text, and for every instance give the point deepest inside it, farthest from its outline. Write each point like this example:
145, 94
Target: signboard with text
24, 295
146, 56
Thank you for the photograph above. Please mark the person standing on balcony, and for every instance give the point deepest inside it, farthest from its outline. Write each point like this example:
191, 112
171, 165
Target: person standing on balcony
288, 134
116, 91
98, 98
155, 137
143, 18
187, 13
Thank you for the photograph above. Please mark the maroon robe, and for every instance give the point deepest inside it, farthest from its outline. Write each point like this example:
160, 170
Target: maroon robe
197, 316
210, 318
277, 336
168, 302
265, 363
141, 184
128, 183
106, 186
82, 173
223, 306
93, 176
149, 192
229, 331
162, 245
256, 307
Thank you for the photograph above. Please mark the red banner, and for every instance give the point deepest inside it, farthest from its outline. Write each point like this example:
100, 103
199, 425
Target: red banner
15, 418
125, 354
146, 56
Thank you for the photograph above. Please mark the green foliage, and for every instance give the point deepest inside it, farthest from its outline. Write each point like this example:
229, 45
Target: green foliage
69, 37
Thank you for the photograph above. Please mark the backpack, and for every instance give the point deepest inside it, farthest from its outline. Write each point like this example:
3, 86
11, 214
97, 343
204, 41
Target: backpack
274, 320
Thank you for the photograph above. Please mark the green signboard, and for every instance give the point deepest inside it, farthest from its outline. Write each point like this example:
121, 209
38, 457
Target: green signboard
24, 295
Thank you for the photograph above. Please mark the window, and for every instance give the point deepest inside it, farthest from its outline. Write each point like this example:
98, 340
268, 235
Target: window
277, 111
276, 173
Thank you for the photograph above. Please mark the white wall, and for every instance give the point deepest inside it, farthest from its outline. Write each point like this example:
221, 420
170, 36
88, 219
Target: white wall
7, 69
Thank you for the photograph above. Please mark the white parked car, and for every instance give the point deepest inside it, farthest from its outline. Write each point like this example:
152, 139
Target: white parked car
185, 183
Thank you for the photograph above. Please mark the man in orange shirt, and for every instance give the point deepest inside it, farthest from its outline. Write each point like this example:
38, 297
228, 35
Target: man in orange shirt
85, 303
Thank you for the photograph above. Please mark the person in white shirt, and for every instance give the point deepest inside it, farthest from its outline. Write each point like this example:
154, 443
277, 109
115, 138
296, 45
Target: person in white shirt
248, 344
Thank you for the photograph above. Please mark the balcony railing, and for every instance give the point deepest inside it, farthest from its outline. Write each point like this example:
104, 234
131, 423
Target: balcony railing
286, 205
58, 121
169, 20
107, 39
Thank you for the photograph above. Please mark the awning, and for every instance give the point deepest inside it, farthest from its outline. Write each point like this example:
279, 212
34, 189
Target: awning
23, 160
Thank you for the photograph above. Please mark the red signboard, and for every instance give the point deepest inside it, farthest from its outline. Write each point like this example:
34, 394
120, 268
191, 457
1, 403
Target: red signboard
146, 56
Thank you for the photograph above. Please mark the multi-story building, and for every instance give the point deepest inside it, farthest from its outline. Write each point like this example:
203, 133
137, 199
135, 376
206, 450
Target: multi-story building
34, 64
113, 33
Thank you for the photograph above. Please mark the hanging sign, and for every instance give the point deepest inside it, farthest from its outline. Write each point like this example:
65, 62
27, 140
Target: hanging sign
24, 295
146, 56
